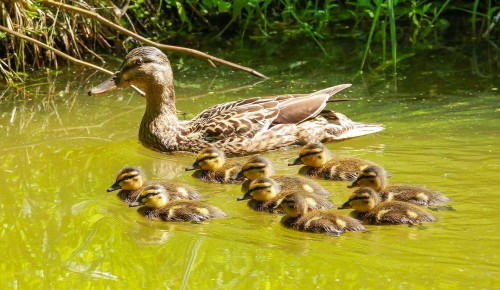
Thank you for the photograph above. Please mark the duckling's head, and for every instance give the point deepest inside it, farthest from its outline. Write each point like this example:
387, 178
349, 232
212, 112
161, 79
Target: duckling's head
362, 200
256, 167
261, 189
209, 159
145, 67
374, 177
153, 195
312, 155
293, 204
129, 178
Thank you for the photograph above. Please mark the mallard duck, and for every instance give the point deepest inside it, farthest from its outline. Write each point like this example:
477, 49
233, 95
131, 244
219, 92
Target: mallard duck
370, 208
158, 206
211, 166
376, 178
298, 217
319, 163
131, 179
264, 193
258, 166
238, 128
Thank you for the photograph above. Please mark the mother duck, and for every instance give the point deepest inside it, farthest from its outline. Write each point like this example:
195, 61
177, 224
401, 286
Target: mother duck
238, 128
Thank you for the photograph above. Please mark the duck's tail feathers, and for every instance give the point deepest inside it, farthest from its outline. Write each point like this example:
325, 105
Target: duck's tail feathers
332, 90
359, 129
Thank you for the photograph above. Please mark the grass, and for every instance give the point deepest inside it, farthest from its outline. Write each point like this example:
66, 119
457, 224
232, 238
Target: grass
410, 23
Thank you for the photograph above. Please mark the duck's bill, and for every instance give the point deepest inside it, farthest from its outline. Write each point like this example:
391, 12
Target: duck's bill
354, 184
345, 205
114, 187
134, 203
297, 161
193, 167
104, 87
239, 175
244, 196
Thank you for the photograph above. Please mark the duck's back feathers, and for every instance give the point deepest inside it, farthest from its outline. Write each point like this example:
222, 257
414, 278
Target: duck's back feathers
397, 212
323, 221
313, 201
415, 194
226, 174
299, 183
339, 168
182, 210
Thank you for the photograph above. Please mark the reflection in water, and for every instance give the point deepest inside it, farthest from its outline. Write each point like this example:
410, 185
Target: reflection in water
61, 149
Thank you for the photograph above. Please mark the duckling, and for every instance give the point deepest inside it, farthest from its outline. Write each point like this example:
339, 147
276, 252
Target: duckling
317, 221
259, 166
264, 193
319, 164
369, 208
211, 166
158, 206
131, 179
375, 178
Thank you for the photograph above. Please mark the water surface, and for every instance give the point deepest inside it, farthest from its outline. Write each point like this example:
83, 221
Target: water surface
61, 149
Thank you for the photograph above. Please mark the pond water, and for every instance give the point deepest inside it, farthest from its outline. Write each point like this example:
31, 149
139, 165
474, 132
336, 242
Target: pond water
61, 150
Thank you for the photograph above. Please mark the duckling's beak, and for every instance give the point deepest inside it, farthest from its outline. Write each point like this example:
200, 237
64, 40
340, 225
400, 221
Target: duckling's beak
193, 166
106, 86
239, 175
244, 196
136, 202
345, 205
114, 187
353, 184
295, 162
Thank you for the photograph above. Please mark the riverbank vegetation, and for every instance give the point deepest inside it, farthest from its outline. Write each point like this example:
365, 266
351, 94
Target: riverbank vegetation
389, 29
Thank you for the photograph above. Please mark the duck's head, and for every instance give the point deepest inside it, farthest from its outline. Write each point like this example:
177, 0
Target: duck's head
256, 167
209, 159
129, 178
261, 189
293, 204
362, 200
374, 177
147, 68
312, 155
153, 195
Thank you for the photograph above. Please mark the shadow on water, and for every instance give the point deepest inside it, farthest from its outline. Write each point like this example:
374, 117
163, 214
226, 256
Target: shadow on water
61, 149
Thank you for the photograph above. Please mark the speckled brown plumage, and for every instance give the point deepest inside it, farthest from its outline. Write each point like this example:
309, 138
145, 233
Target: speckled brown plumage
258, 166
239, 128
376, 178
369, 208
265, 193
318, 221
319, 164
158, 206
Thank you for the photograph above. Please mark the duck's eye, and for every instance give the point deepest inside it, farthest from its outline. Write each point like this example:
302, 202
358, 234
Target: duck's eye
139, 61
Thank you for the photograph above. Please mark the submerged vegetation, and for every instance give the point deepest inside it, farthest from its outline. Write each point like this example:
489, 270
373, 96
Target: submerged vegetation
389, 29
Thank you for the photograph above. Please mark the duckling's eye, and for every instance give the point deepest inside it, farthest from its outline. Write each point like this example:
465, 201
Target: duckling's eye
319, 157
139, 62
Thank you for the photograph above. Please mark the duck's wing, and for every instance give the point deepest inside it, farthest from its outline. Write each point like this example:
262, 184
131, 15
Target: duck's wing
299, 108
241, 118
245, 118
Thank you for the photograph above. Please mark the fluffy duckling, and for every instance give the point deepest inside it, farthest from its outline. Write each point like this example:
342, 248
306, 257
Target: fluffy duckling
369, 208
131, 179
259, 166
264, 193
158, 206
211, 166
319, 163
298, 217
375, 178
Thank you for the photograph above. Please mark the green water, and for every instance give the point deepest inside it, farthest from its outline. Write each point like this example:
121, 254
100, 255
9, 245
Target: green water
61, 149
